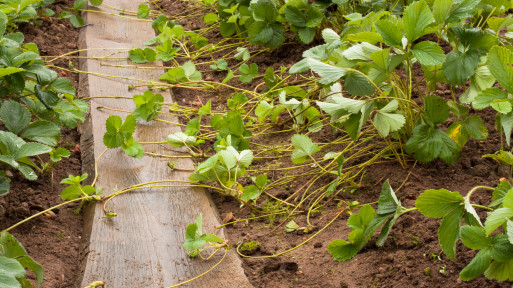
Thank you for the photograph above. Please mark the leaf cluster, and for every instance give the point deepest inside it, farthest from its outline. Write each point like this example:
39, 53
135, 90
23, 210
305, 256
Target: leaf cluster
493, 239
264, 21
13, 262
74, 16
368, 71
148, 106
119, 134
366, 222
75, 189
225, 168
195, 239
34, 103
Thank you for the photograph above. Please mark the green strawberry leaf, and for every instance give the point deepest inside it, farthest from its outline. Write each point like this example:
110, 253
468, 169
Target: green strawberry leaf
474, 237
392, 36
449, 231
428, 53
459, 66
500, 60
143, 11
428, 143
417, 16
10, 270
304, 148
437, 203
14, 116
496, 218
477, 266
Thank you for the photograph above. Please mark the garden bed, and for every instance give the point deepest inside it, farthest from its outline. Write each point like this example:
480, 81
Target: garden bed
411, 257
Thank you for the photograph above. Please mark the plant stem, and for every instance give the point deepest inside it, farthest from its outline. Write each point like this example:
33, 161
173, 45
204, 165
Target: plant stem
42, 212
477, 188
295, 247
203, 274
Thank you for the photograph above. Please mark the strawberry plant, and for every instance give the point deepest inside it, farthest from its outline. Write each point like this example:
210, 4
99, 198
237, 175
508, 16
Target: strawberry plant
188, 138
225, 168
147, 106
264, 21
196, 239
393, 103
185, 73
247, 73
74, 16
34, 105
304, 18
75, 190
220, 65
119, 134
232, 131
253, 191
494, 244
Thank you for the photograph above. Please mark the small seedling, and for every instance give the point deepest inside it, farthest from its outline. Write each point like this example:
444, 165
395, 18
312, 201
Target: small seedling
196, 240
219, 65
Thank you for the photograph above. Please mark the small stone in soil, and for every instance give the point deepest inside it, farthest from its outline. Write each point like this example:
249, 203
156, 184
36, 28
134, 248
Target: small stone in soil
228, 218
50, 215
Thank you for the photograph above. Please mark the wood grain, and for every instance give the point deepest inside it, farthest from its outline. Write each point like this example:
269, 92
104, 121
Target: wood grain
142, 246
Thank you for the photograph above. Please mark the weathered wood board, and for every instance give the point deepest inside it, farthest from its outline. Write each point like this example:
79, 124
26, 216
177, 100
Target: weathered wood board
142, 246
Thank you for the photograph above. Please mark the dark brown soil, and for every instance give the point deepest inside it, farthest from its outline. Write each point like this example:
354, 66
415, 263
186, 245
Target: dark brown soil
53, 242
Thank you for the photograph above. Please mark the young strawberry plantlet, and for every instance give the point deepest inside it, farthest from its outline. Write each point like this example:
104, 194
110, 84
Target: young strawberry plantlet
304, 149
196, 240
220, 65
119, 134
366, 222
242, 54
302, 112
188, 138
142, 55
232, 131
148, 106
185, 73
247, 73
143, 11
252, 192
56, 155
75, 189
225, 168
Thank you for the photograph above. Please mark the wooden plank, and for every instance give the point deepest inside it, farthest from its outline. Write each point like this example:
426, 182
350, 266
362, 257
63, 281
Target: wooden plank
142, 246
